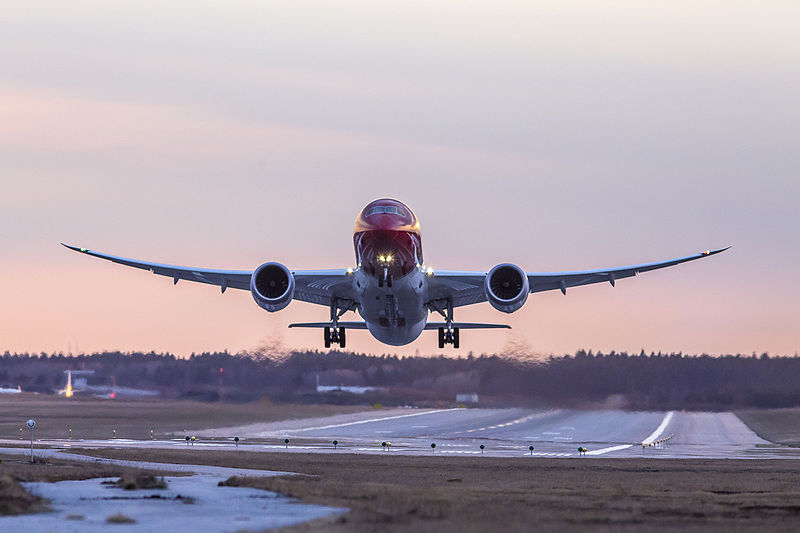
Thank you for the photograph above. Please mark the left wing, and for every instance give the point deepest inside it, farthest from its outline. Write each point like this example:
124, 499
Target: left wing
313, 286
465, 288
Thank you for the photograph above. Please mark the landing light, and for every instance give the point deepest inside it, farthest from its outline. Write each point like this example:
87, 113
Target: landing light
429, 271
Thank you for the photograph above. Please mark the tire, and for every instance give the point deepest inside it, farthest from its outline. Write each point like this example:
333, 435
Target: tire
441, 338
327, 336
342, 338
456, 338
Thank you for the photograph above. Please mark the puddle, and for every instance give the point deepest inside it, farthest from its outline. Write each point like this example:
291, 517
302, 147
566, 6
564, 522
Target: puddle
193, 504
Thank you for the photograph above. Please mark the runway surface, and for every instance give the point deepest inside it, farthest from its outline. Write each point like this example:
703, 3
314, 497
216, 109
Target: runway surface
502, 432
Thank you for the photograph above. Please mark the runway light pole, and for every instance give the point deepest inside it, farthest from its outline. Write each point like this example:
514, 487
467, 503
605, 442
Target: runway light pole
433, 447
286, 444
482, 447
335, 443
31, 424
236, 441
530, 448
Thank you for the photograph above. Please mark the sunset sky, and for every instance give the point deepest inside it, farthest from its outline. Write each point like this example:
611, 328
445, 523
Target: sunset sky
557, 135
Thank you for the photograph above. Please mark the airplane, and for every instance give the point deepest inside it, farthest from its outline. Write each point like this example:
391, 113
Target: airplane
390, 286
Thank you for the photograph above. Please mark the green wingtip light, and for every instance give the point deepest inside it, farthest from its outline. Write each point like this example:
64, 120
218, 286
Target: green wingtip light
84, 250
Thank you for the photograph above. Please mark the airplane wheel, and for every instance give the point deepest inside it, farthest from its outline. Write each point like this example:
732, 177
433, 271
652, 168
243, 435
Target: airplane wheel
327, 337
456, 338
441, 338
342, 338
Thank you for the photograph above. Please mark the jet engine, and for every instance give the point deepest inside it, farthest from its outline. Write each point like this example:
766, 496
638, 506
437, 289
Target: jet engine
272, 286
506, 287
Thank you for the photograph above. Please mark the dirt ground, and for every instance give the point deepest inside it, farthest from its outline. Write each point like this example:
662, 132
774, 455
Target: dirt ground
394, 493
781, 426
95, 418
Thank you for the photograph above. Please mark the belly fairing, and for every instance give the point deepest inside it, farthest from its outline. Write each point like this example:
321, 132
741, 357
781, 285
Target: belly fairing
394, 315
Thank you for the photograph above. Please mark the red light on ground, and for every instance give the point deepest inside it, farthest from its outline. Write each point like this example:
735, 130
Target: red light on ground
113, 395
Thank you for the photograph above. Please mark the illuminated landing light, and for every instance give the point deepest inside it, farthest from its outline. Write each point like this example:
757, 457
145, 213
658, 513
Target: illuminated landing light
349, 271
429, 271
707, 252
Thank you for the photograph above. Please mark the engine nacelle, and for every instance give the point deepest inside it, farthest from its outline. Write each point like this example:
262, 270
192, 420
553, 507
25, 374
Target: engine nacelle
272, 286
506, 287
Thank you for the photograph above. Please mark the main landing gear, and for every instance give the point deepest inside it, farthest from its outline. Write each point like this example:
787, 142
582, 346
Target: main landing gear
448, 334
334, 334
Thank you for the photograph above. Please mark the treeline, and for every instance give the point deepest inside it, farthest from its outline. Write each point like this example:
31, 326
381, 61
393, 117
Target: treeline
616, 380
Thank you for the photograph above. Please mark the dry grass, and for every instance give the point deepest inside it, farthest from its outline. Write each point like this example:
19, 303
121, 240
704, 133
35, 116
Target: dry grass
442, 494
14, 499
781, 426
141, 481
20, 468
94, 418
120, 518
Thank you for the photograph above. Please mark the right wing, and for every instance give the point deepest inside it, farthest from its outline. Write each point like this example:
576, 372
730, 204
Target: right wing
465, 288
313, 286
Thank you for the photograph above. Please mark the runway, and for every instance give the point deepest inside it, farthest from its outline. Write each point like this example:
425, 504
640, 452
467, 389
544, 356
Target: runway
502, 432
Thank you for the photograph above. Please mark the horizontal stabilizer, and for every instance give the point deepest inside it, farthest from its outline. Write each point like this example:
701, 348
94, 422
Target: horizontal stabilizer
466, 325
346, 325
429, 325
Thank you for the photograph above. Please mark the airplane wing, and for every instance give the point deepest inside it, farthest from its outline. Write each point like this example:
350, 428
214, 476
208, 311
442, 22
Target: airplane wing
313, 286
465, 288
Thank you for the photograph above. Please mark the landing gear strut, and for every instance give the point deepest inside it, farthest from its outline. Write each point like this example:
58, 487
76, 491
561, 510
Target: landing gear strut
334, 334
448, 334
385, 279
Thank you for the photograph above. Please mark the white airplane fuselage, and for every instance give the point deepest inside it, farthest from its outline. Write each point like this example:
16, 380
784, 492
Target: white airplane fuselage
389, 282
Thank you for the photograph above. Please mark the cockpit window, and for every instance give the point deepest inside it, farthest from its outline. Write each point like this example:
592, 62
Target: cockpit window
392, 210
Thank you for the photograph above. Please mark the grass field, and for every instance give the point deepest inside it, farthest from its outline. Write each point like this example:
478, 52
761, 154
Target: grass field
94, 418
398, 493
781, 426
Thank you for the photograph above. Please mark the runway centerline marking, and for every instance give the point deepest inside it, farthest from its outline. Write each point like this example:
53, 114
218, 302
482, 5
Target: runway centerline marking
369, 421
660, 429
